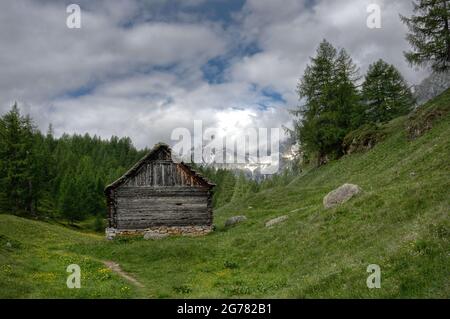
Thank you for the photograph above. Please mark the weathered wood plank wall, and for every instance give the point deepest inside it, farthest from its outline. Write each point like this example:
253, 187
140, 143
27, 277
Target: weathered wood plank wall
161, 173
161, 193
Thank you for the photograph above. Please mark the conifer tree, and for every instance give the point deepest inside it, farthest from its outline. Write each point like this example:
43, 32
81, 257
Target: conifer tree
16, 153
331, 103
348, 100
385, 93
429, 34
44, 175
241, 187
70, 200
225, 190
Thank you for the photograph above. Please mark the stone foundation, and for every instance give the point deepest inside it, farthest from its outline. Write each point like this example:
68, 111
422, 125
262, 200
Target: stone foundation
164, 231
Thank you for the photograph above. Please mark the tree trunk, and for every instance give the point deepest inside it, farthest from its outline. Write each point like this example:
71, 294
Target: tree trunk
322, 158
447, 33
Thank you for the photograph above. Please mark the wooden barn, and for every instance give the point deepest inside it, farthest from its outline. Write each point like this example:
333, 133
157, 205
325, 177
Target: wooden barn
159, 196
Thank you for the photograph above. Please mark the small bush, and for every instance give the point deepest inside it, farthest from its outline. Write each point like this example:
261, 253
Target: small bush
230, 264
237, 289
182, 289
440, 230
426, 247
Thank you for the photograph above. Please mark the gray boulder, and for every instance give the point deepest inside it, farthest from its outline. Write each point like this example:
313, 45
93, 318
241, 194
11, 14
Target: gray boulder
152, 235
234, 220
340, 195
275, 221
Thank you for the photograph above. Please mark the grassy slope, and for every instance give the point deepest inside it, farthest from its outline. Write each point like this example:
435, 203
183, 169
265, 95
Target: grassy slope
34, 263
400, 222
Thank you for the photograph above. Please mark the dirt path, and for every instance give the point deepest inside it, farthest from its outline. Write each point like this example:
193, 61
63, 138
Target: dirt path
116, 268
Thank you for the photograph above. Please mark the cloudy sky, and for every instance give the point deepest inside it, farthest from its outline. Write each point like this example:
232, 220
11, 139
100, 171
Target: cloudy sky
142, 68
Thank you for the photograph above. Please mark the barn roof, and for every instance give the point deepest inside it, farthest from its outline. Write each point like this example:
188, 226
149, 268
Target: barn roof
160, 146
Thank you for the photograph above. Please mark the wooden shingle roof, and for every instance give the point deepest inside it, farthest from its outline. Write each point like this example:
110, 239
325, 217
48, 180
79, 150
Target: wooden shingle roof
158, 147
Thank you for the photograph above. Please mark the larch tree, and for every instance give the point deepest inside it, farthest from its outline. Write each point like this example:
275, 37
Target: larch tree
386, 94
330, 100
429, 34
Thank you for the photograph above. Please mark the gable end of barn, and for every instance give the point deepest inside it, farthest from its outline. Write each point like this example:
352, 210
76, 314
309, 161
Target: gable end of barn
161, 196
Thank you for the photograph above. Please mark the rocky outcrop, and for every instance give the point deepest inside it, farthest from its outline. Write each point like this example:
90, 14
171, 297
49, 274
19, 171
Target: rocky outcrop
423, 120
340, 195
363, 139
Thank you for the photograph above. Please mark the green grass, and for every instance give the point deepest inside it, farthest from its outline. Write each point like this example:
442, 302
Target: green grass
400, 222
33, 264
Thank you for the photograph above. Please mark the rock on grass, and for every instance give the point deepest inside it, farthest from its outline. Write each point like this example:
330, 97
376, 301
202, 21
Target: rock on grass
340, 195
234, 220
275, 221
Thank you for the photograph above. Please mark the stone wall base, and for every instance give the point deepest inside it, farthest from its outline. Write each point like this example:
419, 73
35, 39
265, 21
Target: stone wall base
160, 231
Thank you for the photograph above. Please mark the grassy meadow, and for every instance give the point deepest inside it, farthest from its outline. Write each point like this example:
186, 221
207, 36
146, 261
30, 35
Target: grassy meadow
400, 221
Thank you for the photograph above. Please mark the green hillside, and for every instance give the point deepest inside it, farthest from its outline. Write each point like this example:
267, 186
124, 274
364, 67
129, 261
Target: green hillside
400, 222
